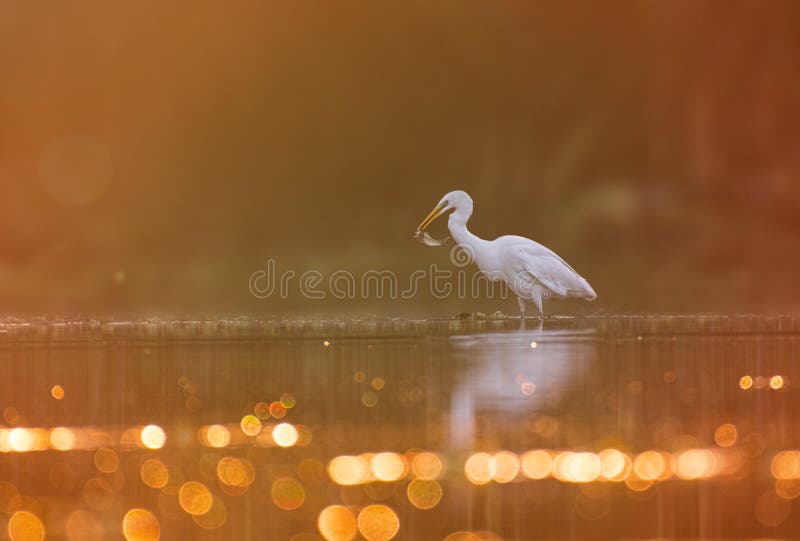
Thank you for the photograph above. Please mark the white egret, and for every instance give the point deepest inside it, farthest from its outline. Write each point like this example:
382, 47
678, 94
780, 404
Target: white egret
531, 271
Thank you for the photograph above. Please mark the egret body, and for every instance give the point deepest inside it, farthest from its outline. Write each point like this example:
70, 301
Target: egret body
531, 271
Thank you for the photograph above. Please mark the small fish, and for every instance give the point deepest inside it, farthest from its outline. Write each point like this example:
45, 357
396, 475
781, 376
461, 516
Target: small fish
424, 238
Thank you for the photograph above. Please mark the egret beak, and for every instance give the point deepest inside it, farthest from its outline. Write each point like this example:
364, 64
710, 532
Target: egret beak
432, 215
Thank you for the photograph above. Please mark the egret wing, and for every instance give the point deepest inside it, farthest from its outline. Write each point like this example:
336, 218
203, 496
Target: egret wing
539, 264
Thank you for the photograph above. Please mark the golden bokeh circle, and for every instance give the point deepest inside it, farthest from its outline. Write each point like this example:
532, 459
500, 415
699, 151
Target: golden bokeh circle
480, 468
348, 470
62, 439
287, 493
369, 399
140, 525
378, 522
786, 465
427, 465
725, 435
277, 410
615, 465
506, 467
154, 473
250, 425
217, 436
649, 465
284, 435
337, 523
195, 498
695, 464
25, 526
236, 472
153, 437
536, 464
388, 467
57, 392
424, 494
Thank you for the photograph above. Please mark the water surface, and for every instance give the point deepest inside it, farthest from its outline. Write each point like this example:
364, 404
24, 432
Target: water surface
583, 428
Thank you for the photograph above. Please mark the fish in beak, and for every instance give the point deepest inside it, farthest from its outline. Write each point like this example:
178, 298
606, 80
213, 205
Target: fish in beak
437, 211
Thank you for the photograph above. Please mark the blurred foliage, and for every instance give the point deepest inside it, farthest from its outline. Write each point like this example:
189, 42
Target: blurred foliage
652, 144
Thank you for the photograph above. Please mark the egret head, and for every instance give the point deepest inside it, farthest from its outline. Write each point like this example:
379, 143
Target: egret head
458, 200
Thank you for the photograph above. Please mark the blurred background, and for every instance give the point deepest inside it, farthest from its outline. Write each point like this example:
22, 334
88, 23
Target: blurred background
153, 155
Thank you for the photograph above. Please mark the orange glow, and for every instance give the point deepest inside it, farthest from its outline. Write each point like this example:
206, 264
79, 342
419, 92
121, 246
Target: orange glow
62, 439
378, 523
695, 464
287, 493
21, 440
427, 465
388, 467
250, 425
745, 382
25, 526
786, 465
577, 467
776, 382
57, 392
480, 468
506, 467
140, 525
649, 466
348, 470
284, 435
153, 437
424, 494
337, 523
194, 498
615, 465
537, 464
216, 436
154, 473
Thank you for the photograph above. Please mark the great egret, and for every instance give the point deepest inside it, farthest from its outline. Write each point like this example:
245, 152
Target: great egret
532, 271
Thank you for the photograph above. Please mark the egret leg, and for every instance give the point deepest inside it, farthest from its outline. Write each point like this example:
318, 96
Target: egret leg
521, 307
537, 300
